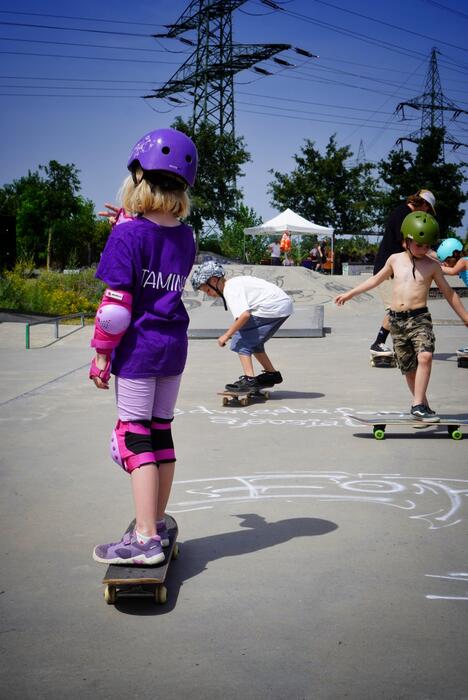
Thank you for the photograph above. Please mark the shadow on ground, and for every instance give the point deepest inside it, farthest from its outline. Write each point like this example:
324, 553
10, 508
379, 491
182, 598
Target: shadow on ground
195, 555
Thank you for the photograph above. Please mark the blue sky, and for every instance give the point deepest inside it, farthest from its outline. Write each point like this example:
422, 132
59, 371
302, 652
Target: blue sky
75, 96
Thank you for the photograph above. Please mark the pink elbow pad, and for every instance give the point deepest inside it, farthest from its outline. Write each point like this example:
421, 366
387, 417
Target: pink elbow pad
112, 320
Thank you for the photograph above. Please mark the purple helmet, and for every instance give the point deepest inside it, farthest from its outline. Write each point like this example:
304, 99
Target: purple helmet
168, 151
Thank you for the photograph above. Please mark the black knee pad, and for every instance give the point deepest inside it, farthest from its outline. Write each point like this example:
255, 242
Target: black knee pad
161, 440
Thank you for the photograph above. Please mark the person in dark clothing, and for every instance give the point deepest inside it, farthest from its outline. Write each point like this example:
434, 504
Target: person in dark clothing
391, 243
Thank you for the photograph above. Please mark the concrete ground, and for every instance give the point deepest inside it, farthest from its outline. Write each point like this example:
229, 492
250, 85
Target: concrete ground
316, 562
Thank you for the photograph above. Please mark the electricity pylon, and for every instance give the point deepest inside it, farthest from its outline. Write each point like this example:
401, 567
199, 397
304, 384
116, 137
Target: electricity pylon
433, 105
361, 156
208, 74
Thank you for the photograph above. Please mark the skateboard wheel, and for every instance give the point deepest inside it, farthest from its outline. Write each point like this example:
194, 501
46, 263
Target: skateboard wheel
175, 552
110, 595
379, 434
225, 401
455, 433
160, 595
266, 394
244, 402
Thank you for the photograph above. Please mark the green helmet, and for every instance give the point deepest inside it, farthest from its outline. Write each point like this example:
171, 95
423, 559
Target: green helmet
421, 227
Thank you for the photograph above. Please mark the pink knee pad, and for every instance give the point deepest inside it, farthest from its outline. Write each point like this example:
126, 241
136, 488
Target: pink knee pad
161, 440
131, 445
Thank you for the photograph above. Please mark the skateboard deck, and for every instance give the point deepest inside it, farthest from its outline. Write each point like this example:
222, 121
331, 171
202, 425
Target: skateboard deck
462, 357
379, 422
243, 397
384, 359
142, 581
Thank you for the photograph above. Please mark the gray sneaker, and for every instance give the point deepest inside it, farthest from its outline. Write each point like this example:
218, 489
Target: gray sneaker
163, 533
424, 414
131, 552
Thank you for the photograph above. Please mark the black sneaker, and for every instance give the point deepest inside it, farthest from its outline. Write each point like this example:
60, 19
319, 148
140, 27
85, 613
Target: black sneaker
269, 379
421, 412
381, 349
429, 410
244, 383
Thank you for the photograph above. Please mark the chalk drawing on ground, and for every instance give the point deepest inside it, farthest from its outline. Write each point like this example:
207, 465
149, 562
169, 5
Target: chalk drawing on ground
437, 501
452, 577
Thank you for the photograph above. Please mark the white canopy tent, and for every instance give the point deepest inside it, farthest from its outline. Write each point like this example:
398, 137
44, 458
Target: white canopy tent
292, 223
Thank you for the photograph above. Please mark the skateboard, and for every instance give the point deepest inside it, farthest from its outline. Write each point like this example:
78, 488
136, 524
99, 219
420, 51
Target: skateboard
379, 422
462, 357
142, 581
382, 359
243, 397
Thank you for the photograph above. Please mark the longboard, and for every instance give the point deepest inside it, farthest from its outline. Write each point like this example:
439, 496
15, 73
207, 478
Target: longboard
462, 357
383, 359
379, 422
243, 397
139, 581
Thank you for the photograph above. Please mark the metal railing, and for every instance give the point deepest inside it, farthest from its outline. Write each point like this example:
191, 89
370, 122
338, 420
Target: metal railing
55, 320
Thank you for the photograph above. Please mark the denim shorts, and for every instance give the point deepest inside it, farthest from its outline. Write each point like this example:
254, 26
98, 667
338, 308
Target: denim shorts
252, 337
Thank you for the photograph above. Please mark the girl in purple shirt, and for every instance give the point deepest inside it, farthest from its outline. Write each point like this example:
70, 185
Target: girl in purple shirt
141, 331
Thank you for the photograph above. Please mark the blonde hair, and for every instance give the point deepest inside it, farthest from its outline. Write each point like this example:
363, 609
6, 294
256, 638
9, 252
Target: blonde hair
145, 197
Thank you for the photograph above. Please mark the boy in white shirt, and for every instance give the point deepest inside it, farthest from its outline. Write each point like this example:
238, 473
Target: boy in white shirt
259, 309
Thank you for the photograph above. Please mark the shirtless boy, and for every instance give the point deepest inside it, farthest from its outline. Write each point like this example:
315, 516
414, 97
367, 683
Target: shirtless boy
410, 321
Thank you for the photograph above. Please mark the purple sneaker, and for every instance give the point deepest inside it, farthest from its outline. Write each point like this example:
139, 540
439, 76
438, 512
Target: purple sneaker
129, 551
163, 533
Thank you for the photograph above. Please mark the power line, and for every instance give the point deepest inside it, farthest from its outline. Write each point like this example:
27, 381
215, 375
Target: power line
446, 8
380, 43
319, 104
93, 46
38, 95
87, 58
347, 32
88, 80
73, 29
388, 24
299, 111
87, 19
309, 119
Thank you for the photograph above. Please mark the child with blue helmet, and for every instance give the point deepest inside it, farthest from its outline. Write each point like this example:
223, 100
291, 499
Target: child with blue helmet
450, 252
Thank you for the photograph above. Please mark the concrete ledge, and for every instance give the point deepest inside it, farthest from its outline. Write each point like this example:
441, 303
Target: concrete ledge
212, 321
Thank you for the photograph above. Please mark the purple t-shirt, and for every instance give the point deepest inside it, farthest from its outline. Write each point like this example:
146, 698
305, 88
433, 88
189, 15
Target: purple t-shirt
152, 262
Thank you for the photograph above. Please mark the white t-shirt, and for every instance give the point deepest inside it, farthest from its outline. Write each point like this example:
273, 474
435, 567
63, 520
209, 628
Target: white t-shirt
261, 298
275, 250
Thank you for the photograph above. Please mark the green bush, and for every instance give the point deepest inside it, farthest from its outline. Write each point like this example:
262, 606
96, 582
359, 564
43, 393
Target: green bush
51, 293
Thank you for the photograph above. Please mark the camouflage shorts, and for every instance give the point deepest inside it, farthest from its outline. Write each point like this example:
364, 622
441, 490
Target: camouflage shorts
411, 336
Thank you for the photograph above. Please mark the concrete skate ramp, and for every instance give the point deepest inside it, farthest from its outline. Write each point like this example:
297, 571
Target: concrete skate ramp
312, 293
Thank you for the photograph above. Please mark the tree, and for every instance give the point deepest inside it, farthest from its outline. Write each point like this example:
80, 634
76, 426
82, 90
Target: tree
61, 186
79, 240
220, 159
52, 219
233, 241
405, 174
327, 189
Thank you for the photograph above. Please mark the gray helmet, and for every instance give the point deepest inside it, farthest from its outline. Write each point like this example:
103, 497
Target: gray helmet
203, 273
